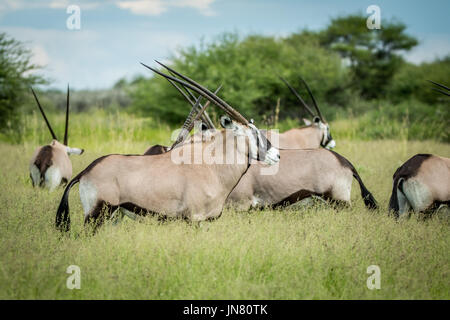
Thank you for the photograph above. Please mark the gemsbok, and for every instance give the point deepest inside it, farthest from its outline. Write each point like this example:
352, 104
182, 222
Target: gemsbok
316, 133
50, 165
422, 183
302, 173
159, 185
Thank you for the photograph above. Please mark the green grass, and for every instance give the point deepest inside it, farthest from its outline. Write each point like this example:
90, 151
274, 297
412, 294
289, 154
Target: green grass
316, 252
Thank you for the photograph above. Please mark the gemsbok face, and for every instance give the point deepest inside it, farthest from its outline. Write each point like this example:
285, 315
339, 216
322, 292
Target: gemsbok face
50, 165
159, 184
316, 134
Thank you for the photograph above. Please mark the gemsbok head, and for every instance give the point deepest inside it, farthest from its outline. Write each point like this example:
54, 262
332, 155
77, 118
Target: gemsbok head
50, 165
316, 133
162, 185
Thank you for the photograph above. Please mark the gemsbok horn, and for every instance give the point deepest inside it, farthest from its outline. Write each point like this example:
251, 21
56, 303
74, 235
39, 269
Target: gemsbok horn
160, 185
446, 90
422, 183
188, 124
316, 133
50, 165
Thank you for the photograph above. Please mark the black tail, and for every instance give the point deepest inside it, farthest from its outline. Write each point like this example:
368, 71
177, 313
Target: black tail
368, 198
393, 201
62, 215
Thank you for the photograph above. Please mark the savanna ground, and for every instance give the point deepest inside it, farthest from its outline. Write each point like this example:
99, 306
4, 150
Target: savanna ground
294, 253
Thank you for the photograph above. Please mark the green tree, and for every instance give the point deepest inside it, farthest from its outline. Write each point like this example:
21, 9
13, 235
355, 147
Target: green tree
15, 79
248, 68
373, 55
410, 81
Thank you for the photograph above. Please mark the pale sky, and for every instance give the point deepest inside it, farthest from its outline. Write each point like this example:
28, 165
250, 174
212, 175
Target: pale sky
116, 35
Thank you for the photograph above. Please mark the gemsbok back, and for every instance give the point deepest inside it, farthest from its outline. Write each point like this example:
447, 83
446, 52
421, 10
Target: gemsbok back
50, 165
316, 133
420, 184
157, 184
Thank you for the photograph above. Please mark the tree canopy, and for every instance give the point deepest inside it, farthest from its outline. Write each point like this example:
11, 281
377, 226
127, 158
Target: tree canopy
15, 79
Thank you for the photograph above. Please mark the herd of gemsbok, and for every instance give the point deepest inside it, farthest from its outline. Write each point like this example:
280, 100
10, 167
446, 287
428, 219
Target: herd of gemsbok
238, 166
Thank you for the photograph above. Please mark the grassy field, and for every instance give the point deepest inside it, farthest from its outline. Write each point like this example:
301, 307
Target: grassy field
303, 253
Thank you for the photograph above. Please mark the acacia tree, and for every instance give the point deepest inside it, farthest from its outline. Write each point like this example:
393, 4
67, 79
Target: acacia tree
15, 79
373, 55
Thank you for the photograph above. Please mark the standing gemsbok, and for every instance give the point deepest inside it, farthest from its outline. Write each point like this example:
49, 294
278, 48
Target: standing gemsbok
316, 133
422, 183
158, 184
50, 165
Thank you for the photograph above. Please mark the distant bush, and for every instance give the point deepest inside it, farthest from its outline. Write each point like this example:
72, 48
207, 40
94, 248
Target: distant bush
408, 120
248, 69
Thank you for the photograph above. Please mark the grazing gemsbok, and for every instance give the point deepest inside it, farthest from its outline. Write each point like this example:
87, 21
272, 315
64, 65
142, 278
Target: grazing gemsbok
314, 135
50, 165
301, 174
420, 184
158, 184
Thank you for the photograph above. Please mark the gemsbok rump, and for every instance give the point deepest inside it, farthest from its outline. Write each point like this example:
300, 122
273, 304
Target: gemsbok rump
316, 133
50, 165
157, 184
420, 184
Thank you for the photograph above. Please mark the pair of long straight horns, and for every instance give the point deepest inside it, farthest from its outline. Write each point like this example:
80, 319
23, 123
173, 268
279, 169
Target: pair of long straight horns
48, 123
196, 112
199, 89
304, 104
204, 116
446, 90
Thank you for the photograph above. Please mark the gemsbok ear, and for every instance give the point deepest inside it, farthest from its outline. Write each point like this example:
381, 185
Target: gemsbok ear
316, 119
226, 122
307, 122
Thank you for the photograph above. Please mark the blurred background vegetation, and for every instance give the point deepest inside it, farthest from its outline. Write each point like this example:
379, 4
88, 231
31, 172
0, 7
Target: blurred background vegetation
359, 78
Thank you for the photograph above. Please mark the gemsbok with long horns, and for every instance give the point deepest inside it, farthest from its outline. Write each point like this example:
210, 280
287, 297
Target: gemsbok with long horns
422, 183
50, 165
300, 174
316, 133
157, 184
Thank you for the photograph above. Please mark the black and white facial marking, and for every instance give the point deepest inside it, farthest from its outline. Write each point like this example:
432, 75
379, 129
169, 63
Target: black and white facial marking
327, 140
259, 147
